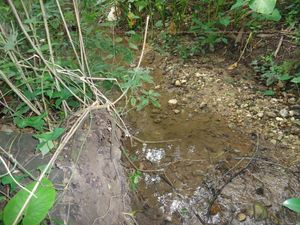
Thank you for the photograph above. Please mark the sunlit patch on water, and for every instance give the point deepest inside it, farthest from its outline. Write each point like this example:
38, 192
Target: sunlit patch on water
154, 155
151, 179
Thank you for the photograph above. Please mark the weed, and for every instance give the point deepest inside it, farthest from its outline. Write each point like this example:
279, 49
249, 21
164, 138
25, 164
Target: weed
272, 72
134, 179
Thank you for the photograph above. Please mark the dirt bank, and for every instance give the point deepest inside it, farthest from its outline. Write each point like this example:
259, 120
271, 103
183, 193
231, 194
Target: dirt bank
88, 175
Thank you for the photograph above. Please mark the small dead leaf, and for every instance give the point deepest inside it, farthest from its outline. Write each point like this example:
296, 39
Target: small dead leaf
232, 66
215, 209
172, 28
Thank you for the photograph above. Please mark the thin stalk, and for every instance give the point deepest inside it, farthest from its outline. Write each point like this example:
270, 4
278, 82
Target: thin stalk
65, 105
38, 50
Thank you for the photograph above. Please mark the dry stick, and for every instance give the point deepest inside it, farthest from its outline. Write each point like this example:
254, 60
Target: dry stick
68, 33
19, 93
244, 49
253, 157
140, 60
12, 177
83, 54
39, 52
278, 46
17, 163
65, 140
65, 105
13, 58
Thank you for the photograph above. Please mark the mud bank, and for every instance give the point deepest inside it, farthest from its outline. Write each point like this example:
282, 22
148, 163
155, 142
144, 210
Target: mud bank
88, 176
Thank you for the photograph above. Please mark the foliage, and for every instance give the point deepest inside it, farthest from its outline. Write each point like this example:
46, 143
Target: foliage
293, 204
134, 179
269, 70
37, 208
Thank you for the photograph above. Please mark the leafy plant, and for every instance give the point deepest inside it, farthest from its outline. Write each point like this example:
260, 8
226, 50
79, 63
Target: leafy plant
273, 72
134, 179
37, 208
293, 204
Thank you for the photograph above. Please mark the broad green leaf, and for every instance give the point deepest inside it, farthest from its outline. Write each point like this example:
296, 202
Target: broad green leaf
275, 16
262, 6
7, 180
284, 77
37, 208
36, 122
238, 4
45, 146
133, 46
268, 92
296, 80
46, 140
225, 21
293, 204
52, 135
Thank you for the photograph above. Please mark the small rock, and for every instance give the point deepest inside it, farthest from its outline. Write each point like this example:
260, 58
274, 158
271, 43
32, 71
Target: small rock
292, 100
176, 111
279, 119
284, 113
198, 75
260, 114
177, 83
273, 141
271, 114
173, 101
241, 217
202, 105
157, 87
183, 81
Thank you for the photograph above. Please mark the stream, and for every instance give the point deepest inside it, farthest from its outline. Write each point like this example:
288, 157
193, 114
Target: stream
200, 170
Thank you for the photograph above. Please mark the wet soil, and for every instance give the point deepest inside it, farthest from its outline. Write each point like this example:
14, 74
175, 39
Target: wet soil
233, 155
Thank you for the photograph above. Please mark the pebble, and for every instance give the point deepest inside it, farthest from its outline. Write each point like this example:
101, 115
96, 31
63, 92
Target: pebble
292, 100
260, 114
202, 105
183, 81
241, 217
176, 111
177, 83
284, 113
271, 114
173, 101
279, 119
273, 142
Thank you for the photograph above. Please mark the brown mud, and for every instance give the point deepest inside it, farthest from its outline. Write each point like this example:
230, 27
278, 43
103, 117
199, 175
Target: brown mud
233, 158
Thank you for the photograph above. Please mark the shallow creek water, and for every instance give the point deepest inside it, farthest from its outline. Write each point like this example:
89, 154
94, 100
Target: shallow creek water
199, 141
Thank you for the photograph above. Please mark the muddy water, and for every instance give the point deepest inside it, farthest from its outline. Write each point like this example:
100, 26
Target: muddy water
195, 143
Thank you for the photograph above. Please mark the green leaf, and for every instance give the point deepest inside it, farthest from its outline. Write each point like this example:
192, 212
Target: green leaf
296, 80
268, 92
133, 46
238, 4
52, 135
45, 146
262, 6
225, 21
46, 140
37, 122
7, 180
133, 101
37, 208
275, 16
293, 204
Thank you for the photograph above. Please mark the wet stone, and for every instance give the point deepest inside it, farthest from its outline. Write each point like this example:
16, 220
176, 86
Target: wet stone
284, 113
241, 217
